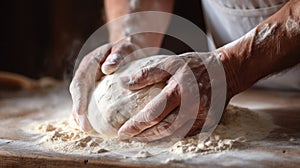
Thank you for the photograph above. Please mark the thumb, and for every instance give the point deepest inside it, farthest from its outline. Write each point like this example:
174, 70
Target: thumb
112, 63
118, 52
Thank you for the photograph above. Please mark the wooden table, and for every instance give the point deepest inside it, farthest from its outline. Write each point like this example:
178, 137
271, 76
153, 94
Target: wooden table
18, 109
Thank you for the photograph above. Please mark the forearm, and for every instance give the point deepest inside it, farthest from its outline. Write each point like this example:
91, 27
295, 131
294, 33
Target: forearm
127, 27
271, 47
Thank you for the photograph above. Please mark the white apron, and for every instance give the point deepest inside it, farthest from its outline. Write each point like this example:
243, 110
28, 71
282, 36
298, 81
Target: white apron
228, 20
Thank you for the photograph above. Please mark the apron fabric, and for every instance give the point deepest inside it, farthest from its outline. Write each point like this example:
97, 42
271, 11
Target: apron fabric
228, 20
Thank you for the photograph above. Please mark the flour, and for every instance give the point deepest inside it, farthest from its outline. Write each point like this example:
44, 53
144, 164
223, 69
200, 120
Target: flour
292, 26
65, 136
143, 154
265, 32
238, 126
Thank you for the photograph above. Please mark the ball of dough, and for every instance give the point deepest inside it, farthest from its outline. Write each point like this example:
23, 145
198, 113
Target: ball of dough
112, 105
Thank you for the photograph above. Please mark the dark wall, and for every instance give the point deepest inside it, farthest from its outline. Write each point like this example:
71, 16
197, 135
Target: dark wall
25, 35
43, 37
190, 10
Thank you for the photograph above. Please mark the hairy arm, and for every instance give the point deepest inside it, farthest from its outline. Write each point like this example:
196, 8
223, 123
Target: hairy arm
271, 47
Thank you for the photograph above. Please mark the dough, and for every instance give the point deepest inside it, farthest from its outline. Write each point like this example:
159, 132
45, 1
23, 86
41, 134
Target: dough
111, 105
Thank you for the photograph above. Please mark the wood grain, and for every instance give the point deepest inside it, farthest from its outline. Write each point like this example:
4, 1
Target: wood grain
17, 149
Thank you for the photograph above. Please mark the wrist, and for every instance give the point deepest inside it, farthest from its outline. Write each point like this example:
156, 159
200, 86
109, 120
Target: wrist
231, 68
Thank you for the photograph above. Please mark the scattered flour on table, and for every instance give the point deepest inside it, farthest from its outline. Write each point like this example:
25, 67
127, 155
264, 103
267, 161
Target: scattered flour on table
238, 125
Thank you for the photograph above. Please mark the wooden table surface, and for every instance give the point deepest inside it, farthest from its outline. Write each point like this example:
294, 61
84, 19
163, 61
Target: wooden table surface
20, 108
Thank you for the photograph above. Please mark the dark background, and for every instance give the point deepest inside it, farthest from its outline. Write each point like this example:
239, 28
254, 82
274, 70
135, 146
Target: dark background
43, 37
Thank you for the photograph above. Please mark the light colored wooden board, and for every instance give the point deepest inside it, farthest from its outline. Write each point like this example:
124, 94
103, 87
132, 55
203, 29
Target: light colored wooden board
18, 109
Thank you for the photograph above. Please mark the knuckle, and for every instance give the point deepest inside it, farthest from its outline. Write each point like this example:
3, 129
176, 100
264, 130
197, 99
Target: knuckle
165, 128
171, 64
165, 125
141, 75
127, 46
101, 51
135, 126
144, 72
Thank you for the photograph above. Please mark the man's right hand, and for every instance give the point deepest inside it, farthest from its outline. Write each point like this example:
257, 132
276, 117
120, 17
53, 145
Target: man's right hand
105, 59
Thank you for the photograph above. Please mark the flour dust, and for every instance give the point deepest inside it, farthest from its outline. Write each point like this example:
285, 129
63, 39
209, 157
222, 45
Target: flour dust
238, 126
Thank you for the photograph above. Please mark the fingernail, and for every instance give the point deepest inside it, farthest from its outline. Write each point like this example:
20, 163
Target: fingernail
123, 132
113, 59
109, 68
123, 136
111, 64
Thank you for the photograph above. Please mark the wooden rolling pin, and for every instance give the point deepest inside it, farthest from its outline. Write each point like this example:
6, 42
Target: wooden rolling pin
9, 80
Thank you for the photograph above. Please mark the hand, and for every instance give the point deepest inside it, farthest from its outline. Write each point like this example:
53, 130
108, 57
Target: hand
182, 106
103, 60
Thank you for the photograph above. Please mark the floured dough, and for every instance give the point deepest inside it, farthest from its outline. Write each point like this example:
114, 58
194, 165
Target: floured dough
111, 105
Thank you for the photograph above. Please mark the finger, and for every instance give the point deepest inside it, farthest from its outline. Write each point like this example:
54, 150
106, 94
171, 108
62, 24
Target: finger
84, 123
89, 67
145, 77
118, 53
112, 63
171, 128
159, 131
85, 77
154, 74
154, 112
83, 82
